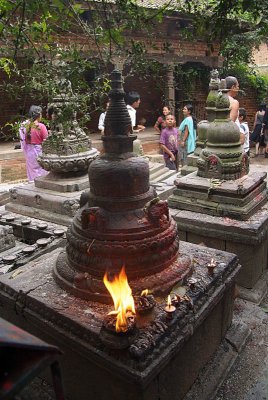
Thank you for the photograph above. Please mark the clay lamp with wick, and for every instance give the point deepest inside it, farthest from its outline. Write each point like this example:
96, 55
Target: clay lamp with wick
169, 309
176, 299
145, 302
211, 267
192, 282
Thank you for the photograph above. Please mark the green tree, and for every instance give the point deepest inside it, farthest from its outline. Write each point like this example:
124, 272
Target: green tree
34, 33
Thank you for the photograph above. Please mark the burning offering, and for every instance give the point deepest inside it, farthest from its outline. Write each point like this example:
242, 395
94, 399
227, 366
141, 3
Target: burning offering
145, 302
170, 309
122, 319
211, 267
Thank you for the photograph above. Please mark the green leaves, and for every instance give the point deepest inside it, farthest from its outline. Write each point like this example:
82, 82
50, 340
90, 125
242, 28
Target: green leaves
7, 65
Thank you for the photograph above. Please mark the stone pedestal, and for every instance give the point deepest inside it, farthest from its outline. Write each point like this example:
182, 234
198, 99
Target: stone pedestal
226, 215
248, 239
238, 199
54, 205
165, 356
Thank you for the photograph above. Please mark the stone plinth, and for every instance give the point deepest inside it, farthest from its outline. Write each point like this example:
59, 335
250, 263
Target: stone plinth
164, 357
49, 205
237, 199
248, 239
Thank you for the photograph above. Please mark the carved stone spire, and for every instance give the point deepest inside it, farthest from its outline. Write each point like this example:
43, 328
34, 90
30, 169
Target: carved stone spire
118, 133
122, 222
223, 157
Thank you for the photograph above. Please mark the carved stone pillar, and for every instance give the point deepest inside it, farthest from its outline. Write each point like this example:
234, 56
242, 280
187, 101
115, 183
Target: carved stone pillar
170, 88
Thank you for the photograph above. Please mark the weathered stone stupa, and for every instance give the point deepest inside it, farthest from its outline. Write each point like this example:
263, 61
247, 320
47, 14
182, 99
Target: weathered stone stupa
222, 194
122, 223
66, 154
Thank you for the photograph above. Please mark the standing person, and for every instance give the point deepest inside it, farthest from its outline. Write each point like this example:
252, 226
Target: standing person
133, 102
257, 135
32, 134
187, 132
161, 121
102, 118
244, 137
232, 86
265, 131
169, 142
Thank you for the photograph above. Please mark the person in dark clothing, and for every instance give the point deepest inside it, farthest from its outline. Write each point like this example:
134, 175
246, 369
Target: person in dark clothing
265, 132
257, 135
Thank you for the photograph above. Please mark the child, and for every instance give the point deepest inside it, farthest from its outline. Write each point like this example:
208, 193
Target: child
169, 142
244, 130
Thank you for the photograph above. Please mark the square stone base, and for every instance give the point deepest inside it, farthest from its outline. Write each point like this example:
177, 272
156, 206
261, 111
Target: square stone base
48, 205
239, 199
248, 239
166, 355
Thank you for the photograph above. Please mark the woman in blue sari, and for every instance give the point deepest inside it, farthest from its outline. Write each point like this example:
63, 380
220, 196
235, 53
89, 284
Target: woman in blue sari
187, 133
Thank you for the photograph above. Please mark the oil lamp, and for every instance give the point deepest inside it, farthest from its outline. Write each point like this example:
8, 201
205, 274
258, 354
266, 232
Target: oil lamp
211, 267
175, 301
169, 309
145, 302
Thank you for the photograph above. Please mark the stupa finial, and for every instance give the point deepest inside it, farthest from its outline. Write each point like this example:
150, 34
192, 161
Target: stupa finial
117, 121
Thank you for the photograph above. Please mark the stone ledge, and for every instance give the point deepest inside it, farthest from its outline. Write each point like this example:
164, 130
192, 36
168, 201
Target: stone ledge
253, 231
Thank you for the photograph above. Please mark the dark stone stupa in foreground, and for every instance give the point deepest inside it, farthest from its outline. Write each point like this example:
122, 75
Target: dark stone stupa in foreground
122, 222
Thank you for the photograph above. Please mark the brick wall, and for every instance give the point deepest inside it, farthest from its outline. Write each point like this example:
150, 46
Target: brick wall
260, 55
251, 104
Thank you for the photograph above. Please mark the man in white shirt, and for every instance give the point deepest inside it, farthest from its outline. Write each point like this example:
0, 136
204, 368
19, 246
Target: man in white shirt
244, 131
133, 102
102, 118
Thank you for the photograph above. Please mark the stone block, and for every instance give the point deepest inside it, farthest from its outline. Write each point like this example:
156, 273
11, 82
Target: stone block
206, 240
248, 239
253, 260
166, 367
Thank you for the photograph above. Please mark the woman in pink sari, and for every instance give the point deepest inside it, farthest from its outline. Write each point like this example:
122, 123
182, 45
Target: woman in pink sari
32, 134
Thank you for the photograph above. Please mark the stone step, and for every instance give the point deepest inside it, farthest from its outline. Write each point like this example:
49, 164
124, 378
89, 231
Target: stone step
156, 158
167, 174
162, 171
153, 167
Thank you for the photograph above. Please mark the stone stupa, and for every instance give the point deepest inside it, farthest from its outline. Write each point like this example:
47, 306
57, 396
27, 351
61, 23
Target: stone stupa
66, 154
223, 204
122, 222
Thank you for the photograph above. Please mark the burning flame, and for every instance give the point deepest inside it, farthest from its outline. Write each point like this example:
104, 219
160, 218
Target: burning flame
145, 292
122, 297
169, 301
